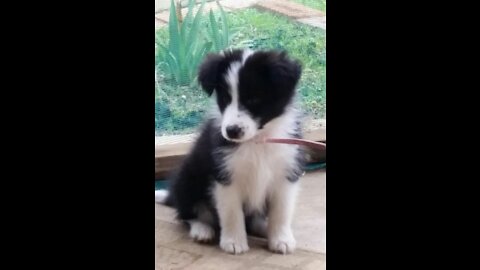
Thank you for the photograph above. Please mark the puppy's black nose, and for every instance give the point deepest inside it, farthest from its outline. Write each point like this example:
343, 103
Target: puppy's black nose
234, 132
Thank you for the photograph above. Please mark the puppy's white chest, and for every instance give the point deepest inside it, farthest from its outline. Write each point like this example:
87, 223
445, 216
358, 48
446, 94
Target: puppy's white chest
256, 167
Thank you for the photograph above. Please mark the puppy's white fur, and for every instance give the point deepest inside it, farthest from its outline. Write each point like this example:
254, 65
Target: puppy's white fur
161, 196
259, 173
201, 231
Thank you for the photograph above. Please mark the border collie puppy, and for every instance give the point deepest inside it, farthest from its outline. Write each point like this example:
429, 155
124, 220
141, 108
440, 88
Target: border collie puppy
231, 184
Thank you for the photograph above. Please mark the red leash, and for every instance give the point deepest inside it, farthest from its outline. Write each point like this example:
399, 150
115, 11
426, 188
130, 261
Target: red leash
312, 144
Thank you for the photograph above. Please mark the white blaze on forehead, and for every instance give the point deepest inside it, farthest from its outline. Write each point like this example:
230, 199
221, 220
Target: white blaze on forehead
232, 80
232, 75
246, 54
232, 114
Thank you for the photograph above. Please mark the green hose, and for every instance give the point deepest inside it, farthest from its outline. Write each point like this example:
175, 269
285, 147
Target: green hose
160, 184
316, 166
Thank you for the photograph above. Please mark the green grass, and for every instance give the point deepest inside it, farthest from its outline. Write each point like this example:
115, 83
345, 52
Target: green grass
316, 4
180, 108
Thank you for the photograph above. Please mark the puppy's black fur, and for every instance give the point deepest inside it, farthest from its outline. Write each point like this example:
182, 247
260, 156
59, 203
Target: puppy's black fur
266, 85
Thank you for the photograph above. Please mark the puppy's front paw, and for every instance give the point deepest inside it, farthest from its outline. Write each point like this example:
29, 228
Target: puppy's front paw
282, 243
201, 232
234, 246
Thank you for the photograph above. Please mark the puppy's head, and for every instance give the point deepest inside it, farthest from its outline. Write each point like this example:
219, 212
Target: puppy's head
251, 88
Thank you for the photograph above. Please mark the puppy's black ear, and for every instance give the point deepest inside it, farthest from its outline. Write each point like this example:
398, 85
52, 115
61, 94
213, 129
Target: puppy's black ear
208, 72
285, 71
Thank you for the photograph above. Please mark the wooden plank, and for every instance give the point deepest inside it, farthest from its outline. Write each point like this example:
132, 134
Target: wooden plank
164, 165
171, 150
317, 135
178, 145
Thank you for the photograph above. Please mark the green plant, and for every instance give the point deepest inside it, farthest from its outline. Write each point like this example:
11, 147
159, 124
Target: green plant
218, 31
186, 47
179, 102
